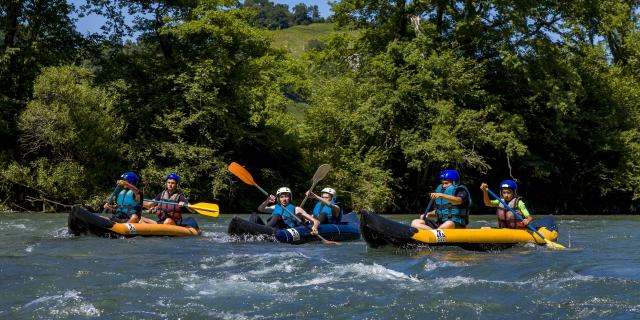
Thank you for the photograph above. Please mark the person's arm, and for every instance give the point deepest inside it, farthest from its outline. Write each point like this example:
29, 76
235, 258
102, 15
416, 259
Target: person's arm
135, 218
149, 205
126, 184
266, 205
183, 202
431, 213
527, 217
485, 195
334, 208
316, 222
450, 198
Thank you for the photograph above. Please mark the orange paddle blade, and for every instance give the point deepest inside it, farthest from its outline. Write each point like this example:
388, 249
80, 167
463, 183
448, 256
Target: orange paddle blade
242, 173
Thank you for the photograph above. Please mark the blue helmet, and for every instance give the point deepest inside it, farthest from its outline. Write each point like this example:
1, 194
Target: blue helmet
130, 177
451, 175
509, 184
174, 177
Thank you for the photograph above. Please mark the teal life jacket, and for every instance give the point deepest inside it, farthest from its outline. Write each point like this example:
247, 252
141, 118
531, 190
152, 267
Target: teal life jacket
322, 208
449, 211
126, 205
287, 217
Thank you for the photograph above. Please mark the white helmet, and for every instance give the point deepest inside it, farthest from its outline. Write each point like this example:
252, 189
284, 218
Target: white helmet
284, 190
330, 191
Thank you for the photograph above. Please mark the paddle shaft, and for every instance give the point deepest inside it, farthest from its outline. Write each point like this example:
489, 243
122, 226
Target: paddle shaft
321, 172
313, 185
515, 213
186, 205
428, 207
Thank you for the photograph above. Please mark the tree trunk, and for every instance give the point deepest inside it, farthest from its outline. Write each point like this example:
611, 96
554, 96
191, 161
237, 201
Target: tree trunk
14, 10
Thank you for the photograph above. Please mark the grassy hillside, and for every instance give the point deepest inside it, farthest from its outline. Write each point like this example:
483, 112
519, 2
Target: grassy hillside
295, 39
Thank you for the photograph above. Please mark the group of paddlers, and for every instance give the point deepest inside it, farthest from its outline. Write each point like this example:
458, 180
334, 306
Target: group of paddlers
127, 202
451, 201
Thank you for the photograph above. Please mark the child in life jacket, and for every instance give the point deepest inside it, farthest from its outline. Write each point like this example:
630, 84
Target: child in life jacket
508, 193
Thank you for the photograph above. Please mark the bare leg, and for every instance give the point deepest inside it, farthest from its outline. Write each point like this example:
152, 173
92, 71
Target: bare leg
447, 225
420, 224
169, 221
147, 220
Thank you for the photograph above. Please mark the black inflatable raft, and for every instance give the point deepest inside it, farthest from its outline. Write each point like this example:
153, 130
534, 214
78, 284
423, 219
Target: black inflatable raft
347, 229
379, 231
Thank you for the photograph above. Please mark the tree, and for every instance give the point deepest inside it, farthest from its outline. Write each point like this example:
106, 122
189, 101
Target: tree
69, 135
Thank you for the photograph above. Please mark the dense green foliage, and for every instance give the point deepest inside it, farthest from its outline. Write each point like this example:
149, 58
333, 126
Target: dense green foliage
543, 92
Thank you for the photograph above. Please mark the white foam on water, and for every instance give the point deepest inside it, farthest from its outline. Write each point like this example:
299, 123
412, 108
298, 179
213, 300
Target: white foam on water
141, 283
279, 268
235, 286
374, 271
168, 280
457, 281
29, 249
433, 265
563, 281
70, 303
219, 237
234, 260
12, 225
249, 238
61, 233
312, 282
233, 316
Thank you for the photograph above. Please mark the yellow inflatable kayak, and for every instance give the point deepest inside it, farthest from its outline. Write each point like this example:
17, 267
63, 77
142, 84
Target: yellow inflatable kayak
379, 231
82, 221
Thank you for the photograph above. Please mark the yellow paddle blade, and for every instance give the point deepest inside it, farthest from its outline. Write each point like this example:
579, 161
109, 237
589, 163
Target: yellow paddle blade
242, 173
554, 245
206, 209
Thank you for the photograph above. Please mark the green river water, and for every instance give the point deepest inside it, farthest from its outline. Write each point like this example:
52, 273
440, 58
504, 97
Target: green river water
47, 274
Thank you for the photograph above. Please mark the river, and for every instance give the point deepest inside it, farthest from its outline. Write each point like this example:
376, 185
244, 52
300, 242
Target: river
47, 274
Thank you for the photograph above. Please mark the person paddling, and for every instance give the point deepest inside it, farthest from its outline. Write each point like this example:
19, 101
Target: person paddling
281, 210
509, 194
128, 203
452, 201
326, 210
168, 213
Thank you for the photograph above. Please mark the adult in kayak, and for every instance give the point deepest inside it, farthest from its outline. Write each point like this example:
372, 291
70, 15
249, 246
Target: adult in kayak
509, 194
128, 202
168, 213
326, 209
282, 211
451, 202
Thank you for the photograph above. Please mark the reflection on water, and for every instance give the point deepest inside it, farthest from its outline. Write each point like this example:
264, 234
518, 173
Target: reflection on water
45, 273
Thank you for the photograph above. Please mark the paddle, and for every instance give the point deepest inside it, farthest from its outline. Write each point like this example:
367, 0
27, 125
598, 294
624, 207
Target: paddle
321, 172
203, 208
246, 177
550, 244
428, 207
104, 210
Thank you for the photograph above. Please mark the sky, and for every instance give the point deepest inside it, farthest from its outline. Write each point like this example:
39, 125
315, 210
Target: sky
93, 23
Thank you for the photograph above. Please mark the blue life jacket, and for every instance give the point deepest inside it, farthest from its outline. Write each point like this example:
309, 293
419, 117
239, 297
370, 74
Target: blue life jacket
290, 220
449, 211
322, 208
126, 205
